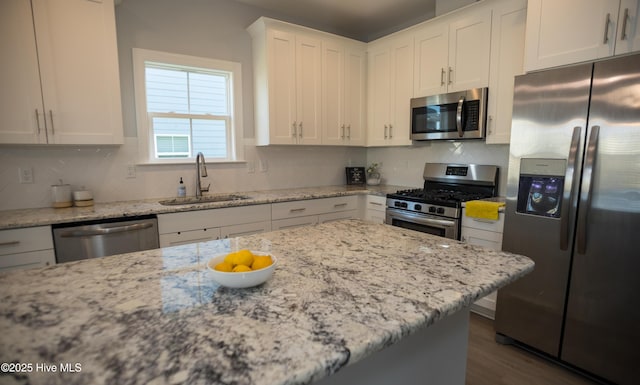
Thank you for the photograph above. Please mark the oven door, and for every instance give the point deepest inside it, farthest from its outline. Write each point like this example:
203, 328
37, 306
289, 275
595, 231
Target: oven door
444, 227
452, 116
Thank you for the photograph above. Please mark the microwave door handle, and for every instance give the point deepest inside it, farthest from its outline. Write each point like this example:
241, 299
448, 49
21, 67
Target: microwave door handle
459, 122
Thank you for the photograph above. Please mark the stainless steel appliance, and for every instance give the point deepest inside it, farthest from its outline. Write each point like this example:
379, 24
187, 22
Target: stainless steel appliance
573, 206
452, 116
101, 238
437, 207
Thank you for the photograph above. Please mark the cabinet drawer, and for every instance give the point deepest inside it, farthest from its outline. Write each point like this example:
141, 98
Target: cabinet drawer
23, 240
376, 203
294, 222
337, 216
307, 207
193, 236
245, 229
203, 219
489, 239
40, 258
484, 224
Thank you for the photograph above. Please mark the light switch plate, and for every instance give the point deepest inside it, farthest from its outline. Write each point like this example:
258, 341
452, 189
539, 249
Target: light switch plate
25, 175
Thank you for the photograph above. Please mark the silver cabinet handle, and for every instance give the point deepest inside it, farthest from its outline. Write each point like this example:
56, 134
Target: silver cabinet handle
297, 210
450, 75
390, 131
587, 184
348, 131
335, 206
342, 127
385, 131
300, 132
442, 73
459, 121
294, 133
571, 178
106, 230
625, 18
38, 121
607, 21
9, 243
375, 203
53, 129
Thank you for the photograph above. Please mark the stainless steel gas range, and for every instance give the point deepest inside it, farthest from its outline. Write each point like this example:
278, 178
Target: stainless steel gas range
437, 207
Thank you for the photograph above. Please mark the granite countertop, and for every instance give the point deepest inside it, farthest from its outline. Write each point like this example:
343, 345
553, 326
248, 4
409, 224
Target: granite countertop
48, 216
341, 291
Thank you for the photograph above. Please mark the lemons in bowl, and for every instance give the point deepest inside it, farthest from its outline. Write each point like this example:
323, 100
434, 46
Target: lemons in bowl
242, 268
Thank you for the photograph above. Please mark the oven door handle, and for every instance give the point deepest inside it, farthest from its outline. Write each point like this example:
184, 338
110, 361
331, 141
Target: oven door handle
421, 219
459, 122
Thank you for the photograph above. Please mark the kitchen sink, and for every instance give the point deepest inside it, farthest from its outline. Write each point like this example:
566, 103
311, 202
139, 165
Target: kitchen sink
203, 199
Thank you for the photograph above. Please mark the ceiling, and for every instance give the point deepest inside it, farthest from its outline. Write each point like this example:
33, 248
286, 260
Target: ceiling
363, 20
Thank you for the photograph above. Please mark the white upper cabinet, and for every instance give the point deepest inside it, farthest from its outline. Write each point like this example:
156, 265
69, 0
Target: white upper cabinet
308, 85
452, 53
390, 80
343, 96
507, 61
572, 31
60, 73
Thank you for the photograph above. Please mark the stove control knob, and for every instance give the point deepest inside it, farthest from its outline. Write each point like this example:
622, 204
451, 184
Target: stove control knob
404, 205
432, 209
417, 207
440, 210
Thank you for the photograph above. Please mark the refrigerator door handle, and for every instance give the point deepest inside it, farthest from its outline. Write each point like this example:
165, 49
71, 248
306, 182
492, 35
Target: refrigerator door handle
585, 195
572, 178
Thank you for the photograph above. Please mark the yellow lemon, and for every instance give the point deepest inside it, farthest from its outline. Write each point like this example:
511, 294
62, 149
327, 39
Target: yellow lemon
224, 266
230, 258
241, 269
243, 257
261, 261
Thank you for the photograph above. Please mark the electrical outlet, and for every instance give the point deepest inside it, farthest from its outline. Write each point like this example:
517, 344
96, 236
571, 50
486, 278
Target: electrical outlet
131, 171
264, 166
25, 175
251, 167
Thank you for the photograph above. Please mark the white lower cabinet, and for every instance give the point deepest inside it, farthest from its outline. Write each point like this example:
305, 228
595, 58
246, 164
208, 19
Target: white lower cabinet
312, 211
206, 225
26, 248
375, 208
486, 233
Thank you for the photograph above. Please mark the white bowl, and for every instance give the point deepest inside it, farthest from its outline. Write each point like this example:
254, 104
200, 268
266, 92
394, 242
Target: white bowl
243, 279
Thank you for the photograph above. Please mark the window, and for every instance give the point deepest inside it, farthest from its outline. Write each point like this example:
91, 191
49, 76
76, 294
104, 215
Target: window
186, 105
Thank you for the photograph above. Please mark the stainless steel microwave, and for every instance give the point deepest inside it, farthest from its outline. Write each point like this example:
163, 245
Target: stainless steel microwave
452, 116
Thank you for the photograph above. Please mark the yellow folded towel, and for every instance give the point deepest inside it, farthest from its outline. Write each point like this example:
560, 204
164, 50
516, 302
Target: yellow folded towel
483, 209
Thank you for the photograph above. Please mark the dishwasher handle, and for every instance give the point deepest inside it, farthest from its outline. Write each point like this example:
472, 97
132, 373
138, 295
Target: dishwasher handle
105, 230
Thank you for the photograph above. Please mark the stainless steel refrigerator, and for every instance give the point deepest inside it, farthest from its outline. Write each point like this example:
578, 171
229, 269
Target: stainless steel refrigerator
573, 206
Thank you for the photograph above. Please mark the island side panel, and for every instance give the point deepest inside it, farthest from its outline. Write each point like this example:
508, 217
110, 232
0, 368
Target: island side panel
435, 355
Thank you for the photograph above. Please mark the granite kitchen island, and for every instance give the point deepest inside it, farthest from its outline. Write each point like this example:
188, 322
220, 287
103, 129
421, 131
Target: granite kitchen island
343, 294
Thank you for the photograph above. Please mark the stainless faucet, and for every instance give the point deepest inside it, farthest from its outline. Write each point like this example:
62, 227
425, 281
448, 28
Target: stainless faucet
201, 171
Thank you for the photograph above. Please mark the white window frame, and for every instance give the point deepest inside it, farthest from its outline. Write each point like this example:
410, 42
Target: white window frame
155, 143
146, 142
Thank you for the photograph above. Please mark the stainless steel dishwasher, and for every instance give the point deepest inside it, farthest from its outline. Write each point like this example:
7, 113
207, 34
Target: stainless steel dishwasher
94, 239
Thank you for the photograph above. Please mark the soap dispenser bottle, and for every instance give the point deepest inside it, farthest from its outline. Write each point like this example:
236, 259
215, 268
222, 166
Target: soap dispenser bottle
182, 189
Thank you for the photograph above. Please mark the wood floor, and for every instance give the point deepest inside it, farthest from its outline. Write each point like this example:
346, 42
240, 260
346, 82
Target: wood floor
490, 363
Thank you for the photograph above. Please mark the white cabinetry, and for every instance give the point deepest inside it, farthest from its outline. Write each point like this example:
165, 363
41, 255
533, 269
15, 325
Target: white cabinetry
486, 233
343, 93
60, 79
312, 211
375, 208
572, 31
452, 54
507, 61
26, 248
291, 94
205, 225
390, 81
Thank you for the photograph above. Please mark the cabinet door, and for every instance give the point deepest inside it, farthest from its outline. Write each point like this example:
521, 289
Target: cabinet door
628, 36
569, 31
191, 236
282, 87
245, 229
507, 61
469, 50
294, 222
402, 86
431, 60
79, 71
32, 259
308, 90
379, 82
333, 119
355, 77
20, 95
